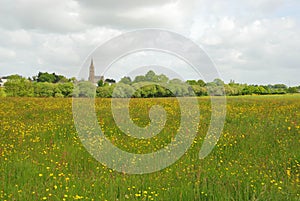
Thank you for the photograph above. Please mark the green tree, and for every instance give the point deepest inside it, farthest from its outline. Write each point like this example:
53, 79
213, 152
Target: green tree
201, 83
123, 91
60, 79
18, 86
100, 83
2, 92
162, 78
139, 78
248, 90
191, 82
175, 81
84, 89
110, 81
105, 92
292, 90
44, 89
66, 89
46, 77
219, 82
125, 80
151, 76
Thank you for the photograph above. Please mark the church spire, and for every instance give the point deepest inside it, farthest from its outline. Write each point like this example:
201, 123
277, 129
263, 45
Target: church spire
92, 72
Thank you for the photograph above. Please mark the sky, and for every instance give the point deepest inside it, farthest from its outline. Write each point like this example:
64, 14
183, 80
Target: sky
254, 42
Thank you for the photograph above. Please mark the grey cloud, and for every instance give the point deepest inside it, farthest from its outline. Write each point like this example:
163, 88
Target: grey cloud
248, 40
137, 14
48, 16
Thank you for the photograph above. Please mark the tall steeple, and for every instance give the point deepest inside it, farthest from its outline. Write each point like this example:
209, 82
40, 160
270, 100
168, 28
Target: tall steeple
92, 72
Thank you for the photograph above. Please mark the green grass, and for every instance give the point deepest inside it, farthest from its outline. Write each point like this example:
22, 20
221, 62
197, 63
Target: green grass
256, 158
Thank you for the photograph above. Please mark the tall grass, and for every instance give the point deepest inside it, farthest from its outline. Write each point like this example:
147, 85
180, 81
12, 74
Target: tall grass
256, 158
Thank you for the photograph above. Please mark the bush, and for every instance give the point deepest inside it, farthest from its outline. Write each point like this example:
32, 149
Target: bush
2, 92
17, 86
44, 89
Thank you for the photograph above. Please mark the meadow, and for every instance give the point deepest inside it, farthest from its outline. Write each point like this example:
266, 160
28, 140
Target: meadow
256, 158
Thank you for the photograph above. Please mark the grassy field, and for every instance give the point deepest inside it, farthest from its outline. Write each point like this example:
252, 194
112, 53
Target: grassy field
256, 158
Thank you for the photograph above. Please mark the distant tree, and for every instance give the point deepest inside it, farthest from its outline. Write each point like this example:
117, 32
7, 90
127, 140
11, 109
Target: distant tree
18, 86
179, 89
280, 86
125, 80
110, 81
260, 90
151, 76
105, 92
60, 79
148, 91
66, 89
219, 82
247, 90
162, 91
34, 78
51, 78
139, 78
175, 81
123, 91
229, 90
100, 83
2, 92
46, 77
72, 79
199, 91
201, 83
44, 89
292, 90
162, 78
14, 77
192, 82
84, 89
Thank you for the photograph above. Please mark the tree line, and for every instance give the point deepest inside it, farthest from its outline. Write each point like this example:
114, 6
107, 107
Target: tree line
142, 86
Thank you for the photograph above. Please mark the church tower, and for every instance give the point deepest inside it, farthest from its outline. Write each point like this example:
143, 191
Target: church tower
92, 72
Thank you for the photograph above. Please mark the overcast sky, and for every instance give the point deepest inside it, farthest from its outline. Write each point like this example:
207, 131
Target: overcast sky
249, 41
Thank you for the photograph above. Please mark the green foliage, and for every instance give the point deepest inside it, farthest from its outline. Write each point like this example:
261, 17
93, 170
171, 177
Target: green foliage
122, 91
2, 92
176, 81
44, 89
18, 86
218, 82
66, 89
139, 78
162, 78
84, 89
46, 77
201, 83
146, 86
192, 82
14, 77
100, 83
51, 78
105, 92
110, 81
292, 90
151, 76
199, 91
125, 80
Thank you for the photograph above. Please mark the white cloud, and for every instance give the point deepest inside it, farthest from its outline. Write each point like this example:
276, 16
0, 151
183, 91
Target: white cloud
6, 54
48, 16
138, 14
262, 45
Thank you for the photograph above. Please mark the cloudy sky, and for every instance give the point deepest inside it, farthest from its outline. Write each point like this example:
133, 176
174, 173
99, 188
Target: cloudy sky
249, 41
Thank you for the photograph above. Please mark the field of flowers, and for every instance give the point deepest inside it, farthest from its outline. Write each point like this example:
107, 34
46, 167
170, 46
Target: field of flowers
256, 158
